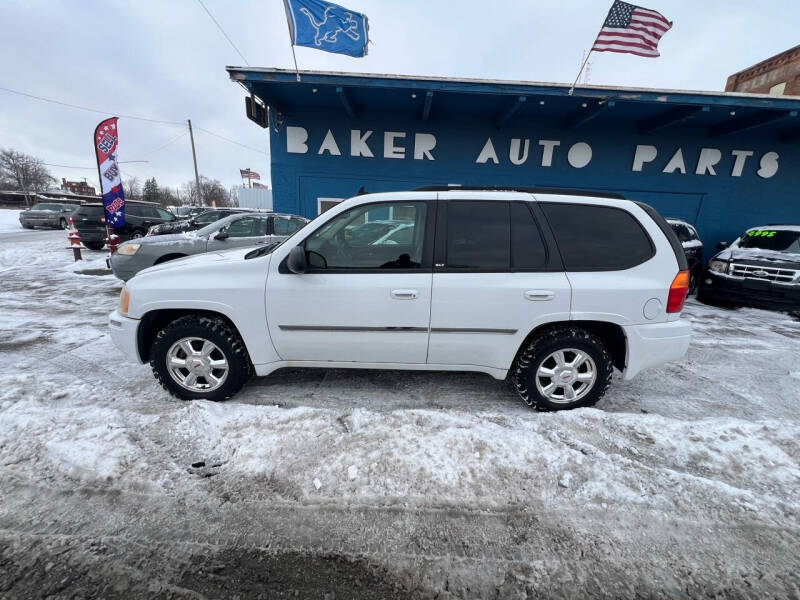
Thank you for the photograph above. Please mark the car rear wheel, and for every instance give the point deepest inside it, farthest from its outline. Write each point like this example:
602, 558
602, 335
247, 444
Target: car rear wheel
94, 245
561, 369
200, 358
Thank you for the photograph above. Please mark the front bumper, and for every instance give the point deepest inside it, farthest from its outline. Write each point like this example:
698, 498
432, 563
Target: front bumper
125, 266
124, 333
51, 222
653, 344
749, 292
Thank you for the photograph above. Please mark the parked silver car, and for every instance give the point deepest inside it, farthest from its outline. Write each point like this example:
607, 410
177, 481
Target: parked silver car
47, 214
235, 231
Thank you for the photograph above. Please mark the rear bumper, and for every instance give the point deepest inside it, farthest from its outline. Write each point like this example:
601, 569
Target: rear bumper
124, 331
749, 292
92, 235
653, 344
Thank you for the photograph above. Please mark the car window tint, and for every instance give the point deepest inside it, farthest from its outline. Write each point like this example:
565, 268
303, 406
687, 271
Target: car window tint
358, 238
527, 247
597, 238
478, 235
164, 214
248, 227
209, 217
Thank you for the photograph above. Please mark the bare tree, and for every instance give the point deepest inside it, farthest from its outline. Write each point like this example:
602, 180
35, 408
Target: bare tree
131, 188
212, 192
20, 171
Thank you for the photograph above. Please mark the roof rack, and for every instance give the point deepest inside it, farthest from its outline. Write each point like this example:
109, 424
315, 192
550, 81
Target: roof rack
529, 190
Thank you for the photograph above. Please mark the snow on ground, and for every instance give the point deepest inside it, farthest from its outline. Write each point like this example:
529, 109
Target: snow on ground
684, 481
9, 220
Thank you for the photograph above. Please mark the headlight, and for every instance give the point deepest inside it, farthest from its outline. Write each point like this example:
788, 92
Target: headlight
718, 266
128, 249
124, 301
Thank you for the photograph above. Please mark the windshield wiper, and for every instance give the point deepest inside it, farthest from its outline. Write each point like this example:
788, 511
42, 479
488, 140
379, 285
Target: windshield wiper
261, 251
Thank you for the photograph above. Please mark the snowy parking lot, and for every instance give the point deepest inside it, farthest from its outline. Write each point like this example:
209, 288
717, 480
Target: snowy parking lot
684, 482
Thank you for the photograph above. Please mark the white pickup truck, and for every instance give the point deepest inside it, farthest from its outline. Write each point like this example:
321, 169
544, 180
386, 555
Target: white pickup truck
551, 291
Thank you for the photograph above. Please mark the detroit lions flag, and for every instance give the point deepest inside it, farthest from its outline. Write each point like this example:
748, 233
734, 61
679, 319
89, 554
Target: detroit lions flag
327, 26
105, 147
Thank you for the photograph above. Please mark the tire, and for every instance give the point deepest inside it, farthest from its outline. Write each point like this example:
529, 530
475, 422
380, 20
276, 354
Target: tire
94, 245
26, 226
539, 353
62, 224
694, 278
228, 346
137, 233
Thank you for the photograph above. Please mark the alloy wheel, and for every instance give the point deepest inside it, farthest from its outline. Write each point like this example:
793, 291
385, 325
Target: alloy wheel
565, 376
197, 364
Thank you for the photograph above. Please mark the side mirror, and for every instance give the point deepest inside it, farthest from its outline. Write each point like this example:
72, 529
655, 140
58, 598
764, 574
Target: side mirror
221, 235
296, 262
722, 245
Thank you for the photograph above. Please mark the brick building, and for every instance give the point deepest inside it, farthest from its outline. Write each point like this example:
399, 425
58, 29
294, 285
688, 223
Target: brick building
776, 76
77, 187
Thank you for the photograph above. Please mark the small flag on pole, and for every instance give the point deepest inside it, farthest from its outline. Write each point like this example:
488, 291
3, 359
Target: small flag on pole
631, 29
248, 174
106, 137
327, 26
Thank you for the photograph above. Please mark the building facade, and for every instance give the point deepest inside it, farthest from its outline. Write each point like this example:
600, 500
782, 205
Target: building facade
77, 187
723, 162
776, 76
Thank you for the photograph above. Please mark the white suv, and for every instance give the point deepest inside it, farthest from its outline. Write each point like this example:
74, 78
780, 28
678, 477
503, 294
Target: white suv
550, 290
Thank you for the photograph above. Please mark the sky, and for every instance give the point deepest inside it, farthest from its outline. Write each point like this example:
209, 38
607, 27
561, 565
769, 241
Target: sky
165, 60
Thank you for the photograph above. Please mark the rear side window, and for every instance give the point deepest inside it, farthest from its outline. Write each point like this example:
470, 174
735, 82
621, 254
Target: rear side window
527, 247
597, 238
478, 235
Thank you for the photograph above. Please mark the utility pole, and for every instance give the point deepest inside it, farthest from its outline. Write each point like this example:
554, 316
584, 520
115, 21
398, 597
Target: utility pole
194, 158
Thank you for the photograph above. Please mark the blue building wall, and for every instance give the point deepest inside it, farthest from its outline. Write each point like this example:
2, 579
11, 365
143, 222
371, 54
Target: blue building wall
721, 206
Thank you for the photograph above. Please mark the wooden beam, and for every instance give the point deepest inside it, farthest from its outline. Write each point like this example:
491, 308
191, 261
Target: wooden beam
759, 119
345, 100
585, 113
503, 116
669, 118
426, 108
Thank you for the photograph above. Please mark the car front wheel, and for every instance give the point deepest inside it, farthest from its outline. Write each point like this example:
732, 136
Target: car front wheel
94, 245
561, 369
200, 358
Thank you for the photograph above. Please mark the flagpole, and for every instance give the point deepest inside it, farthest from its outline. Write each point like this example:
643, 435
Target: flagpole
291, 38
583, 66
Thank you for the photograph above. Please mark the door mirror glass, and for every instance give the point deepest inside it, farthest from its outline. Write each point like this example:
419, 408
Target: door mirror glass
296, 261
722, 245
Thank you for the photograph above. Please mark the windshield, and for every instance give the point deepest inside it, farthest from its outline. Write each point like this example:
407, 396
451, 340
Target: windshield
776, 240
183, 211
41, 206
215, 226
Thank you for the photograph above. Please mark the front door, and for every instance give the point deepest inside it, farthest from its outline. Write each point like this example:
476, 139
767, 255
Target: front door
496, 279
240, 233
367, 292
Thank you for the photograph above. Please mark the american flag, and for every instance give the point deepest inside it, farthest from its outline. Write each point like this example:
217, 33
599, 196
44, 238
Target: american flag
248, 174
631, 29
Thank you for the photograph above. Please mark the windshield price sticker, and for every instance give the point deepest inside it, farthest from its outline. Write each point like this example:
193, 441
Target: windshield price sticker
761, 233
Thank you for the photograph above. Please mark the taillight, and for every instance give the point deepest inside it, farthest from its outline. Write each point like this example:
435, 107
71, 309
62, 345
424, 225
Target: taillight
102, 219
677, 292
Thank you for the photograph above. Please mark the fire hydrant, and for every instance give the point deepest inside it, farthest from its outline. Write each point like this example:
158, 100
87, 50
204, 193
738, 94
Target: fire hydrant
113, 242
74, 240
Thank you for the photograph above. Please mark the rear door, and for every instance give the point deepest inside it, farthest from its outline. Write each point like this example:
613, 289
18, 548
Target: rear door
496, 277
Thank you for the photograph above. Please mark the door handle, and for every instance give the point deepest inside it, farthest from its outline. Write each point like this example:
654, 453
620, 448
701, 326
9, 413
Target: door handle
405, 294
539, 295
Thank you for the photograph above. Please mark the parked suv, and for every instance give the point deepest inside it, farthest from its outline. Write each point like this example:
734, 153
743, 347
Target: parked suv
139, 217
761, 269
196, 222
47, 214
692, 248
551, 291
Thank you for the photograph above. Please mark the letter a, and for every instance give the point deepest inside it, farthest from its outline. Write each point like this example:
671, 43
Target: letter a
488, 153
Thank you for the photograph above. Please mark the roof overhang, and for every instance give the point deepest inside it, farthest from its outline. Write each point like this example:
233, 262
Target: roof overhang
288, 93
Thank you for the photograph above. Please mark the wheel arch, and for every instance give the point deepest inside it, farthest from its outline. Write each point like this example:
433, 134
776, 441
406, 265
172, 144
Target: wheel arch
155, 320
611, 334
169, 257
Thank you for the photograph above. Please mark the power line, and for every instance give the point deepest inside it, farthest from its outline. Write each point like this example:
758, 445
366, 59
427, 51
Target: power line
161, 147
92, 168
94, 110
230, 41
230, 140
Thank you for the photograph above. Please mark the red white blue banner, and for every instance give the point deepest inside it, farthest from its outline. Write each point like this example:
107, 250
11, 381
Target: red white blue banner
106, 137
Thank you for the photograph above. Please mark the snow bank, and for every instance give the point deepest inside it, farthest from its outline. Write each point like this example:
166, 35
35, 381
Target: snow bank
9, 220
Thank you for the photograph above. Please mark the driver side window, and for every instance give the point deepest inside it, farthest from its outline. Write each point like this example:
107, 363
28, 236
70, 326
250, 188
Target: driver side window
373, 236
